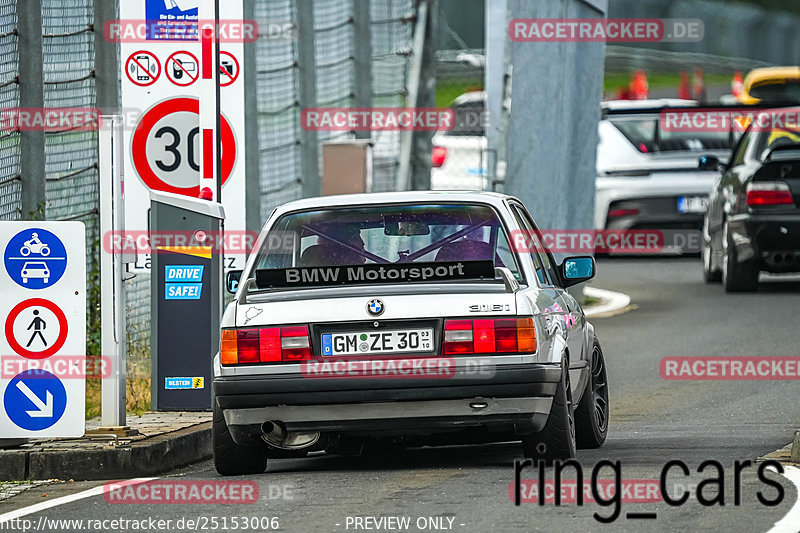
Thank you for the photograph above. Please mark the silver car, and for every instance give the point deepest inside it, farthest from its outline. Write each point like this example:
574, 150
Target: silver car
414, 318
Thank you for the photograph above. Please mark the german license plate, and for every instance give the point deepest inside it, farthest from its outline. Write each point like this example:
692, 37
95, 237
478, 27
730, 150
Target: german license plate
380, 342
692, 204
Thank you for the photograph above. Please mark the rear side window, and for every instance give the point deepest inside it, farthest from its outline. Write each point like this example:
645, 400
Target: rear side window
541, 260
646, 136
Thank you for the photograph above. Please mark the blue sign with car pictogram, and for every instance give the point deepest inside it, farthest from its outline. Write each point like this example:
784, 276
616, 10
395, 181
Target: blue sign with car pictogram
35, 258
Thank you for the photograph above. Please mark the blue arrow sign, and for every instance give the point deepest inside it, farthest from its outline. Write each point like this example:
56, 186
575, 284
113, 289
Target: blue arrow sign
35, 400
35, 258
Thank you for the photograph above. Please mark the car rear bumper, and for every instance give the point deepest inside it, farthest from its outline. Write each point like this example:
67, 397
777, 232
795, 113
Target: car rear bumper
430, 414
519, 396
654, 213
771, 239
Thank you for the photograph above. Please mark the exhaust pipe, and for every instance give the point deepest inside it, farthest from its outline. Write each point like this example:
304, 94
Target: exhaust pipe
275, 435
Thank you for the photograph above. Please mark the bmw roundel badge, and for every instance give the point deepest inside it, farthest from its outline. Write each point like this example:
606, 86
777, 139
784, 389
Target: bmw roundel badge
375, 307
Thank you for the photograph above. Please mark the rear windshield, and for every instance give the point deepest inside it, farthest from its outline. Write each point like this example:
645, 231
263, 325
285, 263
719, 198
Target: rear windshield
646, 136
387, 234
470, 120
777, 91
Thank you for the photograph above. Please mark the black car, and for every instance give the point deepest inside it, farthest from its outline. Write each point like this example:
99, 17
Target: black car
752, 223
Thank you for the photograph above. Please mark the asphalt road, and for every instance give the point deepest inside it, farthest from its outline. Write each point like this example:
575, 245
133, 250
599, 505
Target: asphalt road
653, 421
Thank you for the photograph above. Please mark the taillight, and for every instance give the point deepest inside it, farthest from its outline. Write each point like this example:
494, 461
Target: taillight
295, 345
489, 335
617, 213
265, 345
438, 156
768, 193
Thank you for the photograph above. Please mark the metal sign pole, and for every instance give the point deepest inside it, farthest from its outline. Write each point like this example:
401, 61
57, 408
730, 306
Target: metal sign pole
112, 305
210, 179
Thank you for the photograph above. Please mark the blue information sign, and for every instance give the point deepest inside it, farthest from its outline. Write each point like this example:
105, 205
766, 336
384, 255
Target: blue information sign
35, 258
35, 400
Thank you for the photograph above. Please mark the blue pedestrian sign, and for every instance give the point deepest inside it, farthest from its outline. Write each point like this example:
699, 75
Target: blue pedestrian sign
35, 400
35, 258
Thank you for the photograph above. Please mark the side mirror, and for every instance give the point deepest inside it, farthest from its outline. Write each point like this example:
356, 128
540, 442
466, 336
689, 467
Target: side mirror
232, 281
709, 163
576, 270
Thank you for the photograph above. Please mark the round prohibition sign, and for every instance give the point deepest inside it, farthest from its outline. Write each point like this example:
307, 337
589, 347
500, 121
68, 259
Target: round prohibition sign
225, 76
183, 65
62, 328
152, 118
143, 68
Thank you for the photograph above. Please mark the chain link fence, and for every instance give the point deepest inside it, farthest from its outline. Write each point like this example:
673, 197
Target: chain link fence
71, 178
279, 109
10, 184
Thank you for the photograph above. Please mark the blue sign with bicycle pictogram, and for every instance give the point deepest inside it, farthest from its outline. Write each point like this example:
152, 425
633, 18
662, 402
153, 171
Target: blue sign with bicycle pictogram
35, 258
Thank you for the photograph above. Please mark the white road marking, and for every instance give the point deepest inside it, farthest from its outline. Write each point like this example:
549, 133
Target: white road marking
96, 491
612, 301
788, 524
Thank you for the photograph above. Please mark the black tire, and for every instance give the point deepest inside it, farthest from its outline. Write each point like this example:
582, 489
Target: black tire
231, 459
710, 275
736, 277
556, 440
591, 415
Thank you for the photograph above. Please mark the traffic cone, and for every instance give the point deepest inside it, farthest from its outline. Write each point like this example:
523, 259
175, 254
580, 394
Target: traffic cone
639, 87
699, 88
684, 91
737, 84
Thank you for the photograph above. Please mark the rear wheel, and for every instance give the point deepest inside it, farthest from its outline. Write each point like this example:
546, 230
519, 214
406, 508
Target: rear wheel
231, 459
710, 274
591, 415
736, 277
557, 439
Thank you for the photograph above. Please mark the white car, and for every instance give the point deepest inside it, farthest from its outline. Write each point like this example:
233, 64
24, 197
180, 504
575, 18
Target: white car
405, 316
650, 179
459, 157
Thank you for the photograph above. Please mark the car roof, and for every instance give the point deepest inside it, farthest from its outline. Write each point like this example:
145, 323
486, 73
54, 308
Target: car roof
656, 103
376, 198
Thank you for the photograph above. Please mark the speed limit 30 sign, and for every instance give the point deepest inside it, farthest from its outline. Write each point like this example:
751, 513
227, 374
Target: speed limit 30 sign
163, 145
166, 150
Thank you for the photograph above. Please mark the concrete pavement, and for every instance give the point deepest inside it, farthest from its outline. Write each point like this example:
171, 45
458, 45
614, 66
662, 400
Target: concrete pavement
165, 441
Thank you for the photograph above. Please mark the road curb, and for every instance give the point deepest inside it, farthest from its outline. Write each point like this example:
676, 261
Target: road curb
611, 303
147, 457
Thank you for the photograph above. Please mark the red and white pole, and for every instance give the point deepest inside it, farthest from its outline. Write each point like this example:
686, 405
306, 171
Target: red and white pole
208, 24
